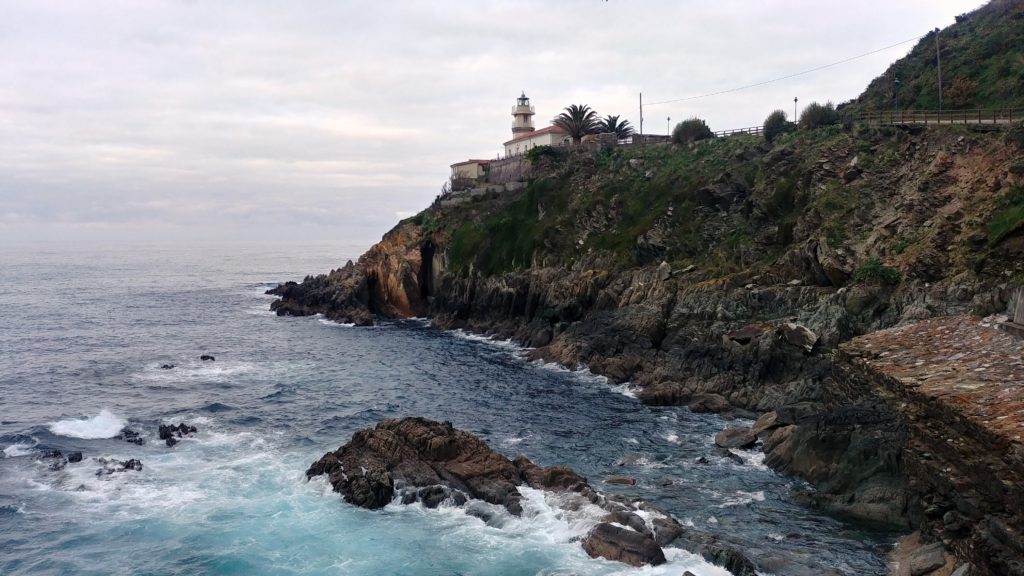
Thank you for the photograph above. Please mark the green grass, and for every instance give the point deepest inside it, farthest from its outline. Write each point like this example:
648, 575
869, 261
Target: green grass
1009, 219
874, 272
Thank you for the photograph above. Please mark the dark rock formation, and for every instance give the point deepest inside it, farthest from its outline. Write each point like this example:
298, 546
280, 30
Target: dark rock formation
623, 545
207, 358
74, 457
129, 435
170, 433
108, 466
432, 463
167, 366
736, 438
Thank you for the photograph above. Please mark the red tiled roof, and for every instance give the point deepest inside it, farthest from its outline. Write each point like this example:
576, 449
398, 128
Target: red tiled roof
548, 130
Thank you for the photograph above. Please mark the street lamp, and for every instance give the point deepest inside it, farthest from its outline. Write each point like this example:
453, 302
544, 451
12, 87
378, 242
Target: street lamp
668, 122
794, 108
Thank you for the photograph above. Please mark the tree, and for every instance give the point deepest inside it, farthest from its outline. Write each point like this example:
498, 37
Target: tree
578, 121
775, 125
815, 115
691, 130
621, 128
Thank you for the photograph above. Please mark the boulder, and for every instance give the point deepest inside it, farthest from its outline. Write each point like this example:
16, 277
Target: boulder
620, 480
623, 545
736, 438
74, 457
927, 559
166, 366
798, 335
767, 422
207, 358
716, 551
708, 402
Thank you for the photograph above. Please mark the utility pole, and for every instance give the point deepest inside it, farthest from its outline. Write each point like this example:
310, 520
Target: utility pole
641, 113
794, 108
938, 64
896, 92
668, 122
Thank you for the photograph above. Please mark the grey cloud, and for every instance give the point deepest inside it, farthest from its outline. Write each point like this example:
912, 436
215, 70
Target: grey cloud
171, 118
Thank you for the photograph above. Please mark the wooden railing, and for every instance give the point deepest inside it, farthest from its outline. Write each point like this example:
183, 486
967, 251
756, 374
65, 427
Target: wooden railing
938, 117
752, 131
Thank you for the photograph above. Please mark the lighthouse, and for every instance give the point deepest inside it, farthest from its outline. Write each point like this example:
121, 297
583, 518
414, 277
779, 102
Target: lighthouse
523, 114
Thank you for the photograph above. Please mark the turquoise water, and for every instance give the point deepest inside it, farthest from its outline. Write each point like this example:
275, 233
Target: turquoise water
83, 335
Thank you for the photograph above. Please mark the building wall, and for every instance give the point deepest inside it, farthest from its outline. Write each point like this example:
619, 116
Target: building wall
524, 145
469, 170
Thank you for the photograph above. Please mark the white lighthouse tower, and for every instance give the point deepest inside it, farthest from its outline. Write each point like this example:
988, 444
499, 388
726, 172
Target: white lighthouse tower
523, 114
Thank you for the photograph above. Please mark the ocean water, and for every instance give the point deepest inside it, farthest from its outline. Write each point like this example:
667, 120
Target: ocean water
84, 331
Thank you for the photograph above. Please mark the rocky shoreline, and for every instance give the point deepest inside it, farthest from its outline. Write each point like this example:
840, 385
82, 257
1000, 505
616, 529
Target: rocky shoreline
784, 339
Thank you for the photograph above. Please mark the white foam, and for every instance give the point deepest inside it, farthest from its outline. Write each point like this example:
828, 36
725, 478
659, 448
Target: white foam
741, 498
15, 450
491, 340
626, 389
671, 437
548, 522
327, 322
103, 425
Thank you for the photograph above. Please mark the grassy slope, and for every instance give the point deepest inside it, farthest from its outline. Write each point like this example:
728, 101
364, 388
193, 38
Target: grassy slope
595, 206
982, 65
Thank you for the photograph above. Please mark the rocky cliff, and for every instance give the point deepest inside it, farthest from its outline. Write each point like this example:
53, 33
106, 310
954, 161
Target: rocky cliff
729, 281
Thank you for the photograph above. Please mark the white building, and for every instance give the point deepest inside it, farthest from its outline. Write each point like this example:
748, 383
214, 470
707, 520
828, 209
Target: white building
524, 136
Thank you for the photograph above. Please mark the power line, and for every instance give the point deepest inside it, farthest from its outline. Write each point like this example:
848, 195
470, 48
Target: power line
788, 76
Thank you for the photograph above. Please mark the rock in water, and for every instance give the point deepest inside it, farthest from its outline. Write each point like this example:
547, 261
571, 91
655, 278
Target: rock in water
170, 433
432, 462
207, 358
129, 435
736, 438
418, 453
623, 545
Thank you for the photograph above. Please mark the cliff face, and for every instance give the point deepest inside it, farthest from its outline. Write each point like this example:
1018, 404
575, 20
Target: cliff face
728, 282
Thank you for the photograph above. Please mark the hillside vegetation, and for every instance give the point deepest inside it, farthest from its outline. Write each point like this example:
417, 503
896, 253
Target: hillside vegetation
928, 204
982, 65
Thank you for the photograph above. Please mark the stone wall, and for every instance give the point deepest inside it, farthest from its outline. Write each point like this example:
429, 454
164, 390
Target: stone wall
511, 169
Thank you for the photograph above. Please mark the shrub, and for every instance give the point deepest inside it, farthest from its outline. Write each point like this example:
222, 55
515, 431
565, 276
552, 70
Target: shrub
874, 272
816, 115
961, 92
691, 130
535, 155
775, 125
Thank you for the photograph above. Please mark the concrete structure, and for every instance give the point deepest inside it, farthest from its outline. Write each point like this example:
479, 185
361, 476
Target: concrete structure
470, 169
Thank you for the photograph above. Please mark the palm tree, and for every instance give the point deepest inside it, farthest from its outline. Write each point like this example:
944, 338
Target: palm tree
578, 121
621, 129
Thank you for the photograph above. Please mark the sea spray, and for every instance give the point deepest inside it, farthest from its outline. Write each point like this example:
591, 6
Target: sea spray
103, 425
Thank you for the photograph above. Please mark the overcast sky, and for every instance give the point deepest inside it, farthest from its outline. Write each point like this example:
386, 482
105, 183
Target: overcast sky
330, 120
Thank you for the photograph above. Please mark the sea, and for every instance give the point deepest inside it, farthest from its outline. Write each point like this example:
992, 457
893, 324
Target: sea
85, 333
